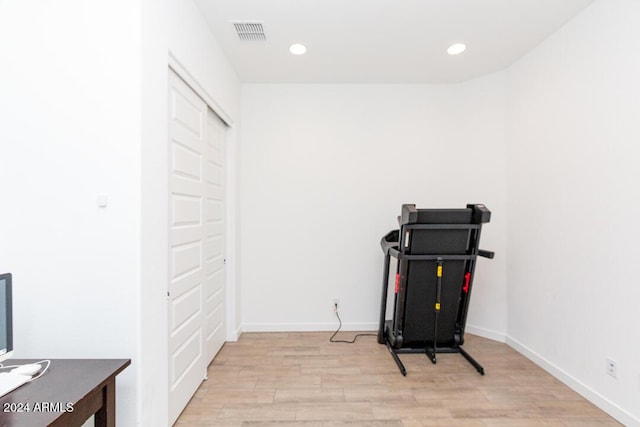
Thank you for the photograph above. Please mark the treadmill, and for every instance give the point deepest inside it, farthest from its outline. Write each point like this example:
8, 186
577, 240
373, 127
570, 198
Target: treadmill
435, 253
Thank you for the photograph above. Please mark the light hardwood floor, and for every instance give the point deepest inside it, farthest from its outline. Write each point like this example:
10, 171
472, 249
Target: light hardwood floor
301, 379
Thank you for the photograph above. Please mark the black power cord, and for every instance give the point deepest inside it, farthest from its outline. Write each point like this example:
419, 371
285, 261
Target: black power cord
340, 327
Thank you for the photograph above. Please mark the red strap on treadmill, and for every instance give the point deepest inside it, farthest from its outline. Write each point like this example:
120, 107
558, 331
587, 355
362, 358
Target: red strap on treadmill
397, 282
467, 279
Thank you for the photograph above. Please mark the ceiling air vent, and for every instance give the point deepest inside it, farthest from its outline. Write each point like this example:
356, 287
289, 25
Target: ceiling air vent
250, 31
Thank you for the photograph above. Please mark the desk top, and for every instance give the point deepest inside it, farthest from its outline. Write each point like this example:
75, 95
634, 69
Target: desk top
65, 383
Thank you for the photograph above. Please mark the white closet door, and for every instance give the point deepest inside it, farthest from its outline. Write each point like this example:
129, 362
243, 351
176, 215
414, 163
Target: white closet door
196, 241
214, 284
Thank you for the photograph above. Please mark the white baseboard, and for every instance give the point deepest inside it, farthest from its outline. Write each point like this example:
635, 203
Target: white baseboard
308, 327
234, 335
351, 326
588, 393
486, 333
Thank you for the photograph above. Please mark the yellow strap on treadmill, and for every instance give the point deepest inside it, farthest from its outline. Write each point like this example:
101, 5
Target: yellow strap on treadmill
437, 306
439, 271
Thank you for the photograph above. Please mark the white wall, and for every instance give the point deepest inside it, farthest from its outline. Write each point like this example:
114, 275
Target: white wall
324, 172
196, 50
574, 202
153, 401
70, 130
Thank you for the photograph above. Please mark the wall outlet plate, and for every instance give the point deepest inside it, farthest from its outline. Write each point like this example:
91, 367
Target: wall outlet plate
335, 303
612, 367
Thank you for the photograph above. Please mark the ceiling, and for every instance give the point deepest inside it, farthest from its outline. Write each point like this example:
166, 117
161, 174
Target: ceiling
382, 41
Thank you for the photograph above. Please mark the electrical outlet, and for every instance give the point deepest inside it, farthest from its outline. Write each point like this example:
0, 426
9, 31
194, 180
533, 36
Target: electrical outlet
335, 304
612, 368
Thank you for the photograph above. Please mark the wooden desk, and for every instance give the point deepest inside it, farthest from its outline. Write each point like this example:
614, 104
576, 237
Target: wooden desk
66, 395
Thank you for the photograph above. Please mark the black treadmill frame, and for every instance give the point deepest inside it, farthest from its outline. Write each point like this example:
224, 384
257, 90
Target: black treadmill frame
390, 332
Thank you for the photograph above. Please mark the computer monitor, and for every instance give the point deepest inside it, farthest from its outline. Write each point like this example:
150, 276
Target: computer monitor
6, 317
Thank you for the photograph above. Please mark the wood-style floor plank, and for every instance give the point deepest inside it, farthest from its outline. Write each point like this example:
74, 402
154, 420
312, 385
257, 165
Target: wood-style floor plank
301, 379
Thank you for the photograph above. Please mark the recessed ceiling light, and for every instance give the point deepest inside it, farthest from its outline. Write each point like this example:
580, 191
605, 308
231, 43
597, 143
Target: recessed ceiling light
456, 49
298, 49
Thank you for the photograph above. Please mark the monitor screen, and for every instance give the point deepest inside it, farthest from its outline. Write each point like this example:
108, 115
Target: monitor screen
6, 320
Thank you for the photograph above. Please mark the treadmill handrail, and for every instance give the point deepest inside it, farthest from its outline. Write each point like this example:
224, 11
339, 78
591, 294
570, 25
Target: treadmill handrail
390, 241
486, 254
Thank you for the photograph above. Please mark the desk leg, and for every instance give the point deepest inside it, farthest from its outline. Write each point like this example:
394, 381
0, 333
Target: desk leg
106, 415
